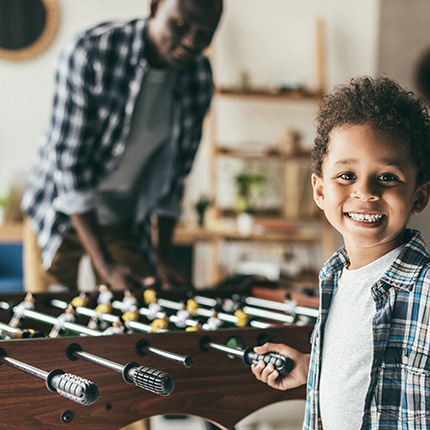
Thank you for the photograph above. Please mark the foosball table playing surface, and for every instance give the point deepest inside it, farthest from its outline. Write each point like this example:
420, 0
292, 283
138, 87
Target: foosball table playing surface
106, 365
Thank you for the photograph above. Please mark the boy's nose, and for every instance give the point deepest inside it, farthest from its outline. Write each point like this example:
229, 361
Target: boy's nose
365, 191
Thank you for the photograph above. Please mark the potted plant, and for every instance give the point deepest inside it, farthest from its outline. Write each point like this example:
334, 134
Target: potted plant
5, 201
248, 184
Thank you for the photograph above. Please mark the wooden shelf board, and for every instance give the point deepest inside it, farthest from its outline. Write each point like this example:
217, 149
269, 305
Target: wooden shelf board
259, 154
190, 234
294, 94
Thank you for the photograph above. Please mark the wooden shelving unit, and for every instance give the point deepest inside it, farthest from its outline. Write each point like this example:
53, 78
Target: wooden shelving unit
304, 228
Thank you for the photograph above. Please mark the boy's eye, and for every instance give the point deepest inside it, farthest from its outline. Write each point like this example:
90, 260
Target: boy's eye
347, 176
387, 177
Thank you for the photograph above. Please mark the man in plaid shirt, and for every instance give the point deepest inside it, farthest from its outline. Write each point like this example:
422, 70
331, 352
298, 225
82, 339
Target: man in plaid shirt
126, 123
369, 367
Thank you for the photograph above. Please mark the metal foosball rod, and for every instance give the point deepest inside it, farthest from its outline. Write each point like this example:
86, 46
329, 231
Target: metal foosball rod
48, 319
153, 380
250, 310
84, 311
70, 386
203, 312
8, 329
255, 304
168, 304
143, 345
282, 306
282, 364
9, 332
91, 313
185, 360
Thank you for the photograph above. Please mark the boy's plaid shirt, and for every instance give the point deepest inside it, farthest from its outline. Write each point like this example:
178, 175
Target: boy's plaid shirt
398, 396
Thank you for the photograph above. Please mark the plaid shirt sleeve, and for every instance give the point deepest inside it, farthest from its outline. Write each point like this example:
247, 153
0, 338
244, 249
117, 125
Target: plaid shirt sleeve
87, 130
72, 114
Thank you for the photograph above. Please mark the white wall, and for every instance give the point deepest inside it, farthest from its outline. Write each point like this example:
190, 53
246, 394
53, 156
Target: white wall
26, 87
270, 38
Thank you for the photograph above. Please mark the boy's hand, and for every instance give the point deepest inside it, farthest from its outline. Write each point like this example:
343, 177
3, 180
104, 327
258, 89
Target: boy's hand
269, 375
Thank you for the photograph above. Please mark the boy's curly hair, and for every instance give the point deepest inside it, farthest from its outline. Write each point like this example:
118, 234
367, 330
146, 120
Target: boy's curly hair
384, 105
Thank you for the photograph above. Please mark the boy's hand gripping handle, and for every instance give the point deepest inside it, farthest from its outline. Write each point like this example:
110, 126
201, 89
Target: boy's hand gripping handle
282, 364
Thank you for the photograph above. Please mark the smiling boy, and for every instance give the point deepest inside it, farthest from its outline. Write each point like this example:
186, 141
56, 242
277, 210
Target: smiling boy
370, 361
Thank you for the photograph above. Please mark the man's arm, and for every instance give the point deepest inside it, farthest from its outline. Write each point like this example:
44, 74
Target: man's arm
118, 276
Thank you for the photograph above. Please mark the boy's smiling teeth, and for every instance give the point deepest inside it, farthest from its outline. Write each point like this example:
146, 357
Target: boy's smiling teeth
365, 217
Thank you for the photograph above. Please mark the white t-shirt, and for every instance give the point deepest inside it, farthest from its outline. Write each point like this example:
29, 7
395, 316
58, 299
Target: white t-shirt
348, 346
150, 129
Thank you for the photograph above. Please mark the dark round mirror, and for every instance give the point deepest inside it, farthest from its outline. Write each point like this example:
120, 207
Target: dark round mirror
26, 27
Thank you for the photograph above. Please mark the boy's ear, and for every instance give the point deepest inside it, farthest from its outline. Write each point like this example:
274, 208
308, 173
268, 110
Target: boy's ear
421, 198
318, 190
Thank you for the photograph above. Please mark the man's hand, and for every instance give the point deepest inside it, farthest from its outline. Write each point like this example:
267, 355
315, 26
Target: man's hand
171, 275
118, 276
121, 277
268, 374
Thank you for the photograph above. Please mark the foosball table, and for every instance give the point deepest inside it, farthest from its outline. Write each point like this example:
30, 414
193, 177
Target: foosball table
91, 363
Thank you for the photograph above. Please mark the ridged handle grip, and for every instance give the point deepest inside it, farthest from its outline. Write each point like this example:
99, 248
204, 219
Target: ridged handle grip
73, 387
282, 364
153, 380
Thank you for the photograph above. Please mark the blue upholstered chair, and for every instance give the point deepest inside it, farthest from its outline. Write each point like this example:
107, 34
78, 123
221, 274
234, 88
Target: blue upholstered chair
11, 267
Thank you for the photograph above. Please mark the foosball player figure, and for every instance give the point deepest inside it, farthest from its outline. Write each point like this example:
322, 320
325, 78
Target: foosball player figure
19, 309
159, 325
27, 333
131, 315
118, 327
242, 318
192, 306
104, 306
182, 316
149, 294
290, 305
105, 296
150, 297
228, 305
194, 328
69, 315
80, 301
129, 301
213, 322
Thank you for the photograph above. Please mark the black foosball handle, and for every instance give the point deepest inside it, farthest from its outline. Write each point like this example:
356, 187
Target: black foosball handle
153, 380
282, 364
156, 381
